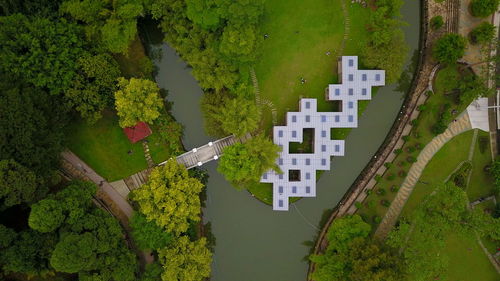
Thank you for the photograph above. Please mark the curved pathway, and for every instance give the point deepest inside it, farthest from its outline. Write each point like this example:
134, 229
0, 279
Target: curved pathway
457, 127
262, 102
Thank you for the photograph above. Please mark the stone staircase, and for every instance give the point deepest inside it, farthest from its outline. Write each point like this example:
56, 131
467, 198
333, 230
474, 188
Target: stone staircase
147, 154
453, 12
137, 180
457, 127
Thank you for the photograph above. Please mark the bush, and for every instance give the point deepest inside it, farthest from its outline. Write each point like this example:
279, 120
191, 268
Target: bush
370, 204
402, 173
449, 48
380, 192
410, 149
376, 219
385, 203
483, 8
411, 159
414, 122
388, 165
398, 151
368, 191
459, 178
394, 189
358, 205
416, 134
437, 22
418, 146
402, 163
422, 107
378, 178
405, 138
482, 34
443, 121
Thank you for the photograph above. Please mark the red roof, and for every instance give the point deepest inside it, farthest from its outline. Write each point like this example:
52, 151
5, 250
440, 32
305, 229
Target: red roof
137, 132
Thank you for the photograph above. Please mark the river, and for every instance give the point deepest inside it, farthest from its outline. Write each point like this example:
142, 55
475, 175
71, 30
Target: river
255, 243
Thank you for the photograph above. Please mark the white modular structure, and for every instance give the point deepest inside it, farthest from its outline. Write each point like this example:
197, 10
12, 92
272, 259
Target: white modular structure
299, 169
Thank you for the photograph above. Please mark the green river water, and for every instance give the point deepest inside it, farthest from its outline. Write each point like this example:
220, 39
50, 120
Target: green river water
255, 243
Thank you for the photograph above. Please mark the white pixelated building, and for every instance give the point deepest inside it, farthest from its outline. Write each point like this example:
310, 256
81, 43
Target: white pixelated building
299, 169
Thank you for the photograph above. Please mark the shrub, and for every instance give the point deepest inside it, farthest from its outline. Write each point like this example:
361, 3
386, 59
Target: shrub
429, 93
422, 107
459, 178
377, 219
437, 22
416, 134
402, 173
483, 8
410, 149
368, 191
385, 203
443, 121
414, 122
398, 151
402, 163
482, 34
380, 192
388, 165
391, 176
378, 178
394, 189
358, 205
370, 204
449, 48
405, 138
418, 146
411, 159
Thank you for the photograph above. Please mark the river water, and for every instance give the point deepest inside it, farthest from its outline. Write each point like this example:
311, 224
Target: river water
255, 243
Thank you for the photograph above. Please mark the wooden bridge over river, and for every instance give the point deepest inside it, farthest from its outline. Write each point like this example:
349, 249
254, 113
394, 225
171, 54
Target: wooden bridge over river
208, 152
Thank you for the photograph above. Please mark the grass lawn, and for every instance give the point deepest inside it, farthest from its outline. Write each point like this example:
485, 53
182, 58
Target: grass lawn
481, 182
297, 48
467, 260
105, 147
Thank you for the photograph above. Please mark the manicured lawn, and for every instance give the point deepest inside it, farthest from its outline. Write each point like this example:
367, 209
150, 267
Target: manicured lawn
105, 147
298, 49
467, 260
444, 162
481, 182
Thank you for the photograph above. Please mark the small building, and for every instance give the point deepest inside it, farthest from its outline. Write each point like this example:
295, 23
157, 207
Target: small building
138, 132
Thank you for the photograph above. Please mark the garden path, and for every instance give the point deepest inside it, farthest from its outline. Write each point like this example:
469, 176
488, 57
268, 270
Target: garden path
457, 127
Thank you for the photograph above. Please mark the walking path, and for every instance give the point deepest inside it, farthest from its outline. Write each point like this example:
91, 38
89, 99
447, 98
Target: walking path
263, 102
461, 125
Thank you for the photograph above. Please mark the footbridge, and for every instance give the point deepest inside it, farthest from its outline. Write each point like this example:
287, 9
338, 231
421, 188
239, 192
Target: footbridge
208, 152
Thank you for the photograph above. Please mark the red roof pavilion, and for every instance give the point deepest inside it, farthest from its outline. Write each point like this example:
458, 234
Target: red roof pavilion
137, 132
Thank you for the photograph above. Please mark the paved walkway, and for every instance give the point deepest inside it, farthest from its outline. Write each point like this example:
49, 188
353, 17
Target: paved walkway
455, 128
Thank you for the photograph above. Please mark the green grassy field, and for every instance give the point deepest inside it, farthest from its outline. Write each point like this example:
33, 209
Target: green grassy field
481, 183
298, 49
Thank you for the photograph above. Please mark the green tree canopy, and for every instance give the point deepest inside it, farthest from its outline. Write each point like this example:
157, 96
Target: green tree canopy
483, 33
46, 215
7, 236
344, 230
18, 184
113, 22
40, 51
170, 197
94, 84
32, 125
148, 235
243, 163
239, 116
185, 260
449, 48
483, 8
137, 100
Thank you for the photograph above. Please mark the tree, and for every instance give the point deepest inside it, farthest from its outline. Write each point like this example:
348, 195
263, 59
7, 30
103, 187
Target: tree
483, 8
243, 163
170, 197
437, 22
345, 229
7, 236
74, 253
483, 33
495, 172
449, 48
205, 13
95, 81
185, 260
42, 8
32, 125
152, 273
17, 184
239, 116
239, 43
114, 23
29, 253
137, 100
147, 234
46, 215
40, 51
